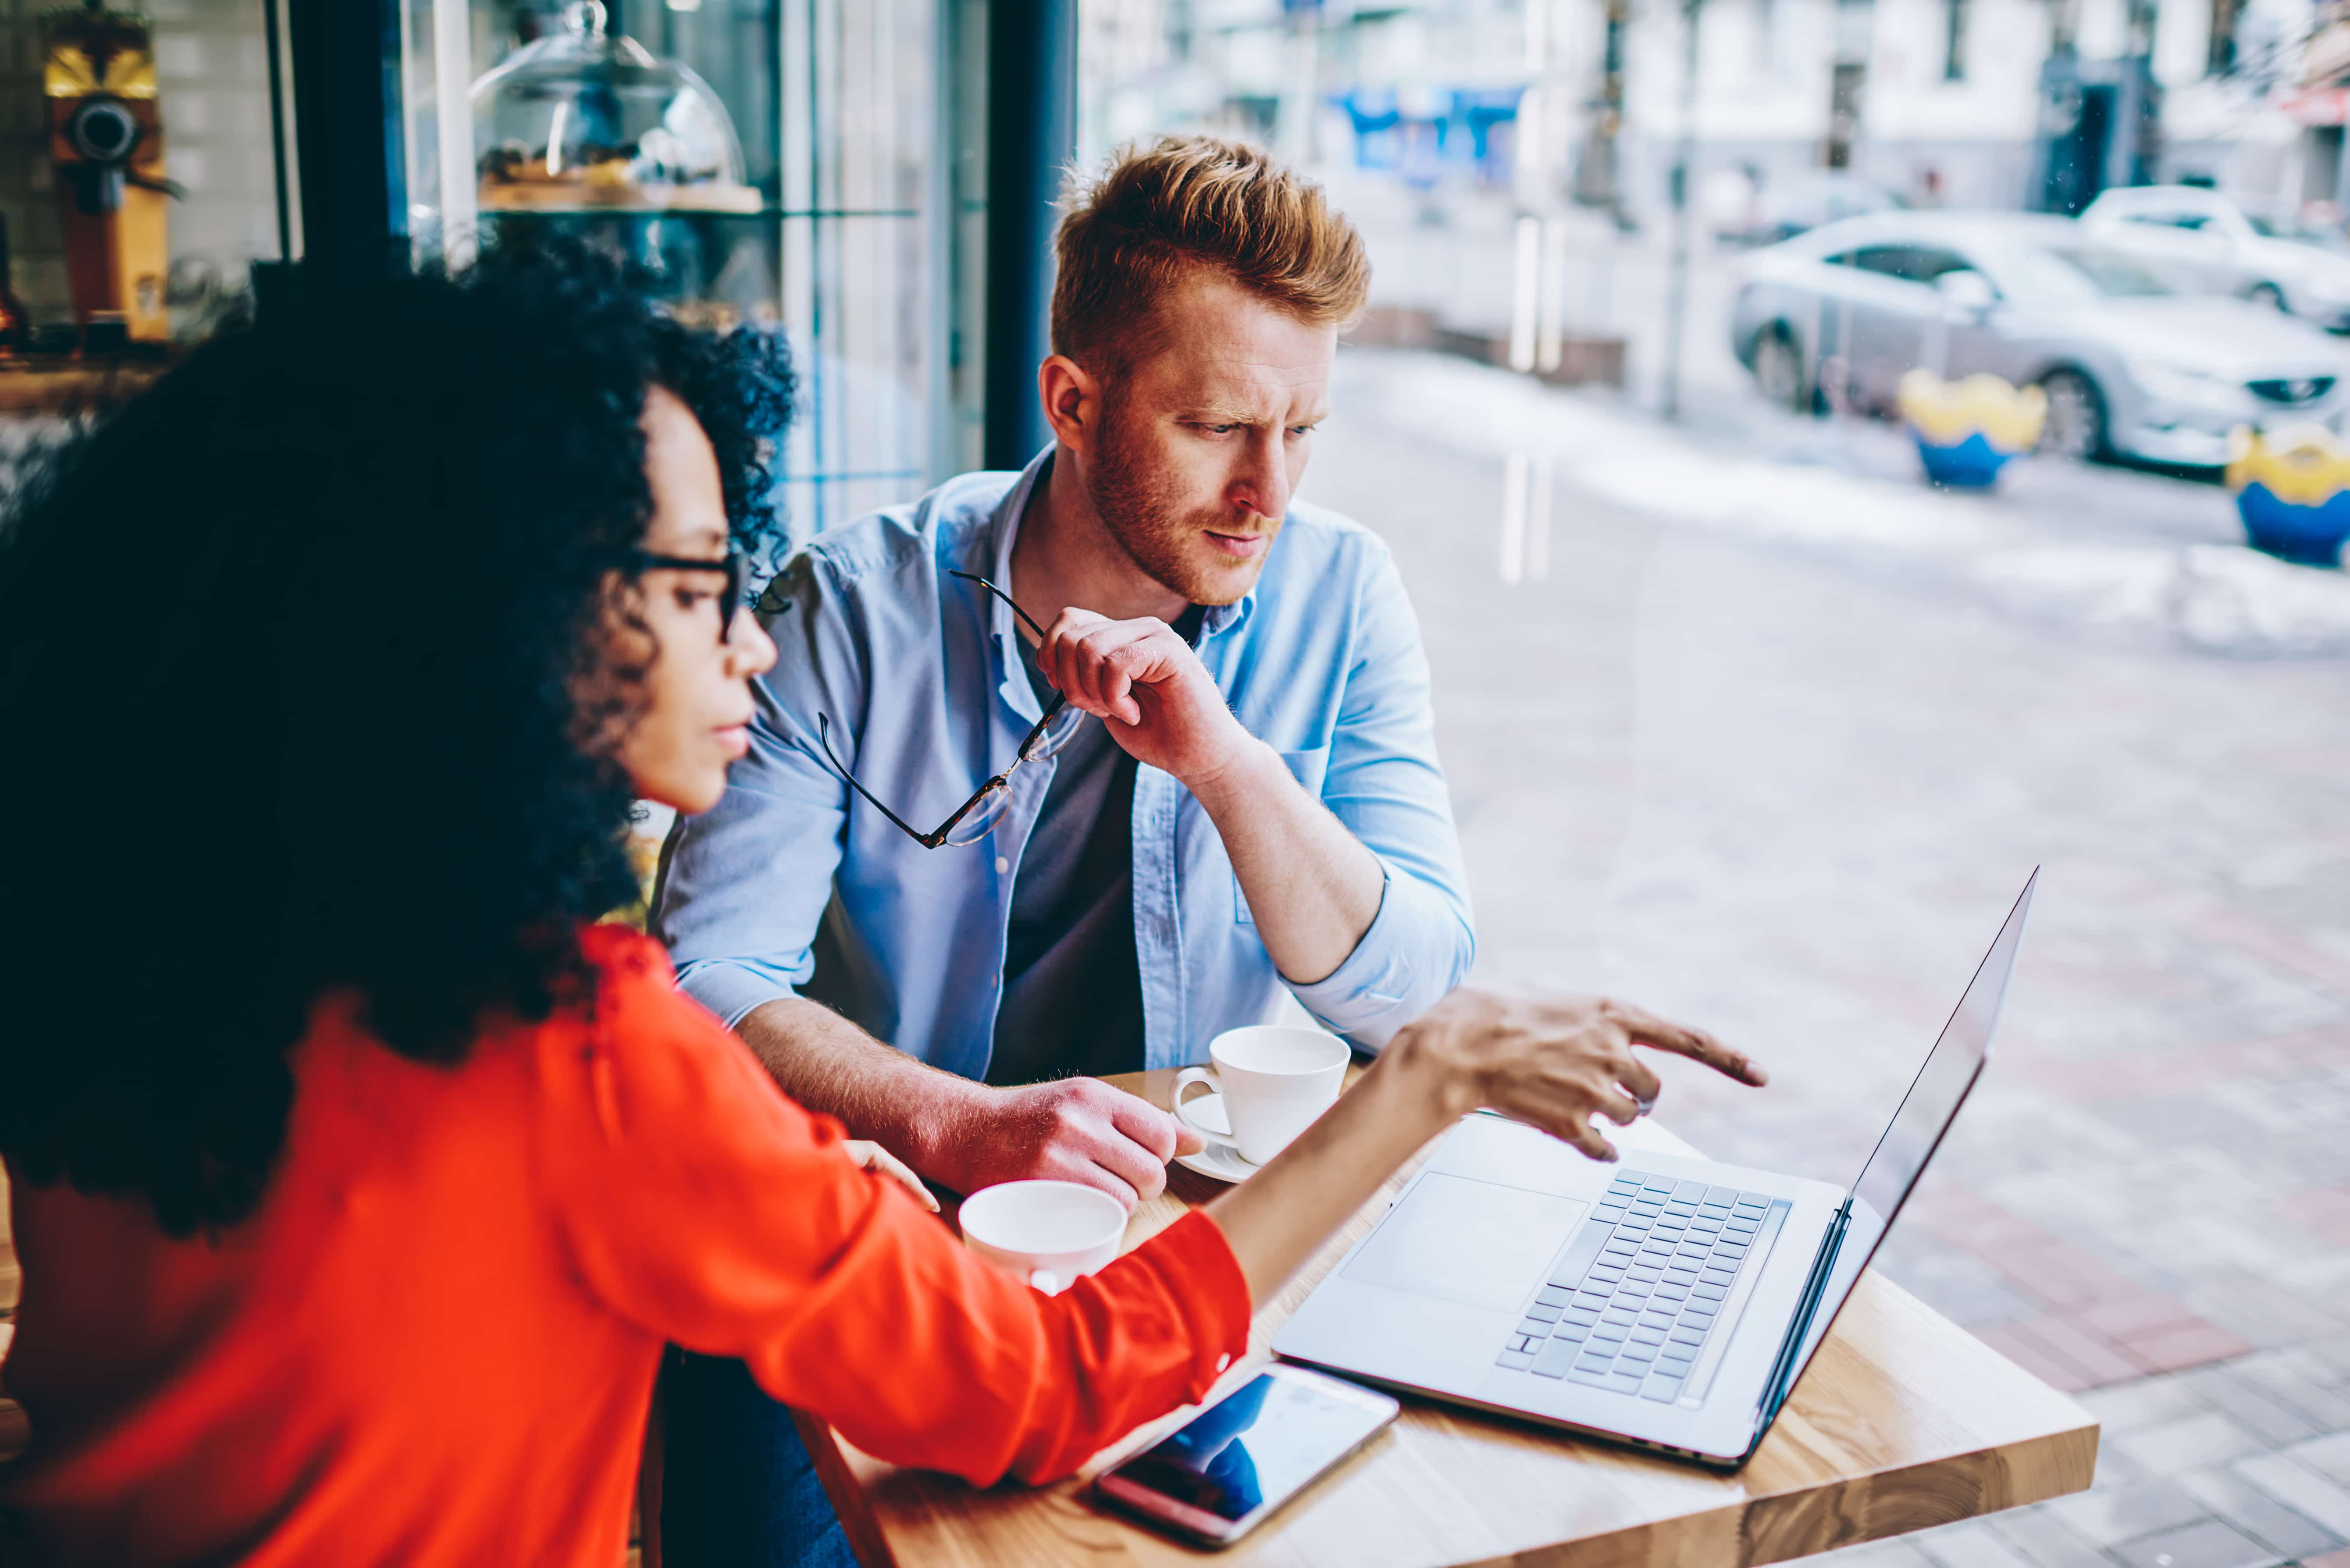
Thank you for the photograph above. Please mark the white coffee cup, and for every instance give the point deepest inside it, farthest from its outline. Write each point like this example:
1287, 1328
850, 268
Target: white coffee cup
1047, 1232
1274, 1078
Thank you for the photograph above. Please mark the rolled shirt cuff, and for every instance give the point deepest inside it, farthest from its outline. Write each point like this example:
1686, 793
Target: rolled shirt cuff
730, 988
1380, 987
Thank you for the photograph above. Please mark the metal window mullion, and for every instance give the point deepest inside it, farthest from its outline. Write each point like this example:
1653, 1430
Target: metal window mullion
453, 108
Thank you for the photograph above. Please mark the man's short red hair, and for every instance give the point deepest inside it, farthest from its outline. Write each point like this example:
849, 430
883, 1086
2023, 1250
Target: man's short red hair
1188, 202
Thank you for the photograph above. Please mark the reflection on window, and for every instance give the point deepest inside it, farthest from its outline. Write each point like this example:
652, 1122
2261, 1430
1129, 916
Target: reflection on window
1747, 747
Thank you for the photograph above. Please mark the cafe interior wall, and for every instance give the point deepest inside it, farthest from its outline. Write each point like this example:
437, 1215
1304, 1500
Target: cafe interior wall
212, 71
856, 117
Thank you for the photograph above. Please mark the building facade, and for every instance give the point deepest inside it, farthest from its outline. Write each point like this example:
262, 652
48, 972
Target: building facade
2034, 104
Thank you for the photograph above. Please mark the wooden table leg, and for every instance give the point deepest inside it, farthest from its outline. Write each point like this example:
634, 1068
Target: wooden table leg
848, 1499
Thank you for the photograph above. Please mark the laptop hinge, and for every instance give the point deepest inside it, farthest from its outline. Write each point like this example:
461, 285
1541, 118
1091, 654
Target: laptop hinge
1780, 1382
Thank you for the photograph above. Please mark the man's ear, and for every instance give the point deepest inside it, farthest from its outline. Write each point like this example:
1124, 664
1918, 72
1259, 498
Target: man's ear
1072, 396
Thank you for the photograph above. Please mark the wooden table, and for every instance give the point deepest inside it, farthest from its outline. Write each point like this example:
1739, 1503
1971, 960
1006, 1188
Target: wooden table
56, 384
1903, 1420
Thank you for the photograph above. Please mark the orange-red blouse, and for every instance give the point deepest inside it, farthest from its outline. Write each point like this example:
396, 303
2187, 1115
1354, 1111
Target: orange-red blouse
436, 1339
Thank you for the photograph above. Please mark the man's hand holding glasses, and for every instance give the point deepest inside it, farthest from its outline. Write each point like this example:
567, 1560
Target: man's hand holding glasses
1139, 677
1147, 683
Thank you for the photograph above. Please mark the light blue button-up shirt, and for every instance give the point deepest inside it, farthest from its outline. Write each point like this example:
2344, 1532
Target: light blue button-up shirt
927, 699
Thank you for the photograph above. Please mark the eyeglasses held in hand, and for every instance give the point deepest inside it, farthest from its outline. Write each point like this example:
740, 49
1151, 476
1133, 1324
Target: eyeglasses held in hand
729, 603
975, 819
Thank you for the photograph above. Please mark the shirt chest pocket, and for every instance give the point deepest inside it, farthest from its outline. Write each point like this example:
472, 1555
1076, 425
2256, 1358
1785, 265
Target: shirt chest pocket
1309, 768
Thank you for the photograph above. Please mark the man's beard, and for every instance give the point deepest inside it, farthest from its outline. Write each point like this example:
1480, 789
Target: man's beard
1138, 510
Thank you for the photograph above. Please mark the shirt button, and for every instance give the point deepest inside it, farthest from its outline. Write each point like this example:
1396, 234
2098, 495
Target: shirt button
1002, 865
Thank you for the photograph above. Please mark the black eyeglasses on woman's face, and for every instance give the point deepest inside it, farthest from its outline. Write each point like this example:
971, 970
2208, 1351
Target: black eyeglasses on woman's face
729, 603
975, 819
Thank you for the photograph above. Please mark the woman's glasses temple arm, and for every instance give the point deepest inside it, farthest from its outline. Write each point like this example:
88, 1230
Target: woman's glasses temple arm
732, 565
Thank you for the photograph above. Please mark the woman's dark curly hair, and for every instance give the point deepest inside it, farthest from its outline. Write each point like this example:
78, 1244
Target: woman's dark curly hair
290, 657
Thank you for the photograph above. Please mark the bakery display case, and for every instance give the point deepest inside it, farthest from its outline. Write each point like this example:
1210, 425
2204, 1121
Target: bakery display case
794, 165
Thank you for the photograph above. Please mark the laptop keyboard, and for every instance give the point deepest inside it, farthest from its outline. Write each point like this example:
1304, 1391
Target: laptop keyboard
1632, 1303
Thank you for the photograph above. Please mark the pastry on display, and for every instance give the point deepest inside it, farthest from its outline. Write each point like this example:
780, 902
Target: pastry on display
584, 120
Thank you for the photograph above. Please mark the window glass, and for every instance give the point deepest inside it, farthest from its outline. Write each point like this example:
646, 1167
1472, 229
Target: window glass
1893, 261
845, 233
1911, 264
2110, 273
1927, 262
2077, 273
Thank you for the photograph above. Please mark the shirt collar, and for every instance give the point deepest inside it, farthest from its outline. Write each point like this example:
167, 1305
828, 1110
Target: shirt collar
1004, 529
1223, 617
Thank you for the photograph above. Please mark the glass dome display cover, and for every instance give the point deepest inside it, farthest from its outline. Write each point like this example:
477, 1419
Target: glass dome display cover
584, 120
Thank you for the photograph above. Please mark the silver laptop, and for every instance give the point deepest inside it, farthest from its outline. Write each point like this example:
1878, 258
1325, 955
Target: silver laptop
1663, 1301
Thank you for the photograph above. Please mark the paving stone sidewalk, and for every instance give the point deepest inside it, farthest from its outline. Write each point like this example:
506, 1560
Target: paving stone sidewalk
1792, 802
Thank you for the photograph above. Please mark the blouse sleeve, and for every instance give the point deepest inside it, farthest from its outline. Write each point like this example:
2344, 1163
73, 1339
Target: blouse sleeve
698, 1201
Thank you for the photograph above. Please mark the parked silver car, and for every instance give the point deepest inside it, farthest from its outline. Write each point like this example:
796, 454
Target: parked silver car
2206, 243
2131, 366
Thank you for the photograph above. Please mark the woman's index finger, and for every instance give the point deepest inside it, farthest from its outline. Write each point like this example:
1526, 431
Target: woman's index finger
1647, 1029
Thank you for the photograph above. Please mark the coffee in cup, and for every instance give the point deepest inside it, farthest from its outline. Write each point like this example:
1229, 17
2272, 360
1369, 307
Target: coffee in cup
1275, 1079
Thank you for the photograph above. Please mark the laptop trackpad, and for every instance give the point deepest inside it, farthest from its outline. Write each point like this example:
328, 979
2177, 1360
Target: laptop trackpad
1477, 1242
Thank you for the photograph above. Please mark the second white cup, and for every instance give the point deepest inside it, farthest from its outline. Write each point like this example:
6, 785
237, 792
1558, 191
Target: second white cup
1274, 1078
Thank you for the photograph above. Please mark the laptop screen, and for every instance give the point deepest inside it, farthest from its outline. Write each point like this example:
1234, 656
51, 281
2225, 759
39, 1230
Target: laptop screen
1925, 1115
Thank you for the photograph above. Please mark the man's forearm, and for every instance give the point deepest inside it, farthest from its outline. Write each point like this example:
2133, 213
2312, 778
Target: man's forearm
962, 1135
1311, 887
829, 1064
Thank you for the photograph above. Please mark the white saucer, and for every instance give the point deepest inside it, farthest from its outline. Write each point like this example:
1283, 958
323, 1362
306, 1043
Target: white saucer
1215, 1160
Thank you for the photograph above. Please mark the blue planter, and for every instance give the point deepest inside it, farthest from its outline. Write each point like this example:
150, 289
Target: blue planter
1972, 464
2309, 536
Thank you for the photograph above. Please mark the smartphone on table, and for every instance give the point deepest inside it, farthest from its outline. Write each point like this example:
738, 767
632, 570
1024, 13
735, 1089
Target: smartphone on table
1245, 1456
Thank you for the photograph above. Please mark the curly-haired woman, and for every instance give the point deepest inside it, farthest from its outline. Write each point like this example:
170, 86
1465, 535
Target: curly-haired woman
359, 1178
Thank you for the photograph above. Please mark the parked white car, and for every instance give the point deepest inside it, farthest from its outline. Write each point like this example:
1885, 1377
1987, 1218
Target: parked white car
2207, 244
